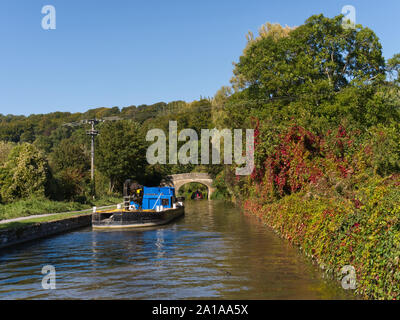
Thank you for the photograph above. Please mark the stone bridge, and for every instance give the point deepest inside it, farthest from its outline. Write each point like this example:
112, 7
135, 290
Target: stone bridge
178, 180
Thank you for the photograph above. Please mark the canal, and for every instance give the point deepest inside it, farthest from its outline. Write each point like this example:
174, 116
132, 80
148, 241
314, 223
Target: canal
214, 252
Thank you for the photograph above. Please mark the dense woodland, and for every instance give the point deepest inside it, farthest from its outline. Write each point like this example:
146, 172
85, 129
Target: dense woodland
55, 150
325, 106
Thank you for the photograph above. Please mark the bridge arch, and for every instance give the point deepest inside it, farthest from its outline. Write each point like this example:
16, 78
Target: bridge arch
178, 180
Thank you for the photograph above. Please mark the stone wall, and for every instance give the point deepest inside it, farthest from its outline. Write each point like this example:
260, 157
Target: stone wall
190, 176
39, 230
178, 180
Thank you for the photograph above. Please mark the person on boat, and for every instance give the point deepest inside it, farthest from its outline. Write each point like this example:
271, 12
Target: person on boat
133, 191
197, 195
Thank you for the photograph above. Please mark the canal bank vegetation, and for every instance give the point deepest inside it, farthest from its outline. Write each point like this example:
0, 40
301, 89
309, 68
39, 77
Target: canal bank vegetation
327, 198
43, 218
325, 106
40, 205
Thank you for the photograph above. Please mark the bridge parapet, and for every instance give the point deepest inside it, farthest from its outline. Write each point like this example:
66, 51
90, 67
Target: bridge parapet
178, 180
193, 175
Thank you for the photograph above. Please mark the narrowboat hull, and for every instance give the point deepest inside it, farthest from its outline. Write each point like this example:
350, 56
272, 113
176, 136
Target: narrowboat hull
117, 219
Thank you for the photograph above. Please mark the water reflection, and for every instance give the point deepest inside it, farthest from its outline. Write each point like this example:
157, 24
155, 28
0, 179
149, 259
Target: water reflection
213, 252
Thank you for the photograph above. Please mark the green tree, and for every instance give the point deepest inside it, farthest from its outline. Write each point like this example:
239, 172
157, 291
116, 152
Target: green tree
68, 154
394, 68
44, 143
301, 73
5, 149
70, 163
121, 152
320, 54
26, 173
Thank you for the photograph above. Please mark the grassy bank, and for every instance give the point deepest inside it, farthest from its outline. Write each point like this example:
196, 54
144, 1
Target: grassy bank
32, 221
35, 206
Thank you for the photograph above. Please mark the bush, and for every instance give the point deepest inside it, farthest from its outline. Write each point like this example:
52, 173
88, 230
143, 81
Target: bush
329, 195
364, 233
40, 205
36, 205
26, 173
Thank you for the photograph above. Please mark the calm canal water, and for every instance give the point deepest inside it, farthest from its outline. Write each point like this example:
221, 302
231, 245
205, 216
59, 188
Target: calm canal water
214, 252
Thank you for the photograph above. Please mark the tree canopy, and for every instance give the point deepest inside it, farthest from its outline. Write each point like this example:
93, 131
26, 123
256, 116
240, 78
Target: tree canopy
121, 152
26, 173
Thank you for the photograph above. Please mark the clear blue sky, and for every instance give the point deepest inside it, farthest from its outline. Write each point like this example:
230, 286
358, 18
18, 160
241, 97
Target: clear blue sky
129, 52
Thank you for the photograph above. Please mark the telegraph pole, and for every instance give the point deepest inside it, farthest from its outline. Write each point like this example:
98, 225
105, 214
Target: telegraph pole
92, 133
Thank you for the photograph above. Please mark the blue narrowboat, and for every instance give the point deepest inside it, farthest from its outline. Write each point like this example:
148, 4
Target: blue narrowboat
142, 207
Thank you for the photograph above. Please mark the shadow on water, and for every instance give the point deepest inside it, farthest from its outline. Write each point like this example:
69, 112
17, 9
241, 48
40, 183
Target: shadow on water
214, 252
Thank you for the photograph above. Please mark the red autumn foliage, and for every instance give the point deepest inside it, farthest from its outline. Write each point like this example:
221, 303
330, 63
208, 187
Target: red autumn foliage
301, 159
